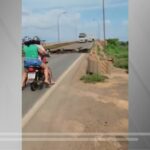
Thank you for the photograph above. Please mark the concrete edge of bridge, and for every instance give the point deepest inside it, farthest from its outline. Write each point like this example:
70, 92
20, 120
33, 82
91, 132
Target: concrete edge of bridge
44, 97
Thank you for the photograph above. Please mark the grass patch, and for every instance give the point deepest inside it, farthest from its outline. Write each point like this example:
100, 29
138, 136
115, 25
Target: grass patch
121, 63
118, 51
93, 78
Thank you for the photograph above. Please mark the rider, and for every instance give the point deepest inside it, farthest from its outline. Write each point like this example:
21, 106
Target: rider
36, 40
31, 51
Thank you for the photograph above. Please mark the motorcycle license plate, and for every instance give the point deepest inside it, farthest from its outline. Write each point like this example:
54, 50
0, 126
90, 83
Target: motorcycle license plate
31, 75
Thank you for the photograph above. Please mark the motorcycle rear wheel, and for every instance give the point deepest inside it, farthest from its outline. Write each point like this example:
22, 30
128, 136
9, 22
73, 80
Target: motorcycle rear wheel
33, 86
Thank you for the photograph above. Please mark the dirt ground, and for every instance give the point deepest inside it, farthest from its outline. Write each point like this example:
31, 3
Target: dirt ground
84, 108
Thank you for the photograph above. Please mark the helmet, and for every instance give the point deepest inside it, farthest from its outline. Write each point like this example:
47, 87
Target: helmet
26, 39
36, 38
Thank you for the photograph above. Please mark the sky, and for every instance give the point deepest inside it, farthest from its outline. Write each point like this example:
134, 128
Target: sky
40, 17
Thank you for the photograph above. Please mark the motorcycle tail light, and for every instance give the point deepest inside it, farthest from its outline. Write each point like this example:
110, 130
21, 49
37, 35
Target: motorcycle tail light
31, 70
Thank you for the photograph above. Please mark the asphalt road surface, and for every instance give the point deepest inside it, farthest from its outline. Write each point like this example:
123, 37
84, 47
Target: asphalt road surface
58, 63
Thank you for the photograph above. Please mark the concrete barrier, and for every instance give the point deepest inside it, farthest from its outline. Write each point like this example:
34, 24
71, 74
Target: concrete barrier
99, 64
54, 46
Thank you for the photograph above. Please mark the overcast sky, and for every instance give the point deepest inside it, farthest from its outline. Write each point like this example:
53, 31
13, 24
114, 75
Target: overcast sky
39, 17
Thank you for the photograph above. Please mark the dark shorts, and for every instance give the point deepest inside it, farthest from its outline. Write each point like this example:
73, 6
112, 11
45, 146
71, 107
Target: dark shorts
32, 62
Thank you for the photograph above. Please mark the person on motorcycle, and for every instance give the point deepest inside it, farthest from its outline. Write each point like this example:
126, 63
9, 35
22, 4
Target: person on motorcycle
31, 53
36, 40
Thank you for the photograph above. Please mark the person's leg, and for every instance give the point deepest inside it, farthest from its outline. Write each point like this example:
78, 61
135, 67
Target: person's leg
51, 76
46, 73
24, 78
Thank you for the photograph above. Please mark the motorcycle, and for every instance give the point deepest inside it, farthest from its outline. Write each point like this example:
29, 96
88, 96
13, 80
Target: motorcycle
36, 78
36, 75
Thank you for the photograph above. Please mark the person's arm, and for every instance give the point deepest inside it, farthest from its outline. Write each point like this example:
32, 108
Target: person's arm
41, 51
41, 48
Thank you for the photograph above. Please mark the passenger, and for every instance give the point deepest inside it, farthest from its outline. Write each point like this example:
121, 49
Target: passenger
36, 40
31, 53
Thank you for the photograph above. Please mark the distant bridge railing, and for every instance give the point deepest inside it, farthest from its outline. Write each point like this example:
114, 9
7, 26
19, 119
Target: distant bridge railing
52, 46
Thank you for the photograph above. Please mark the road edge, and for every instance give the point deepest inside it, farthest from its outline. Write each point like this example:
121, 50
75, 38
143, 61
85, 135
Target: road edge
42, 100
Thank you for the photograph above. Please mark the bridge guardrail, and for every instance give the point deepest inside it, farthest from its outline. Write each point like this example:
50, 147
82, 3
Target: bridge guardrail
53, 47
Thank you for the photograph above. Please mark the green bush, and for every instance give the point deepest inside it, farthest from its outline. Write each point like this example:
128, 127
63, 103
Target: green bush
114, 42
118, 50
121, 63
